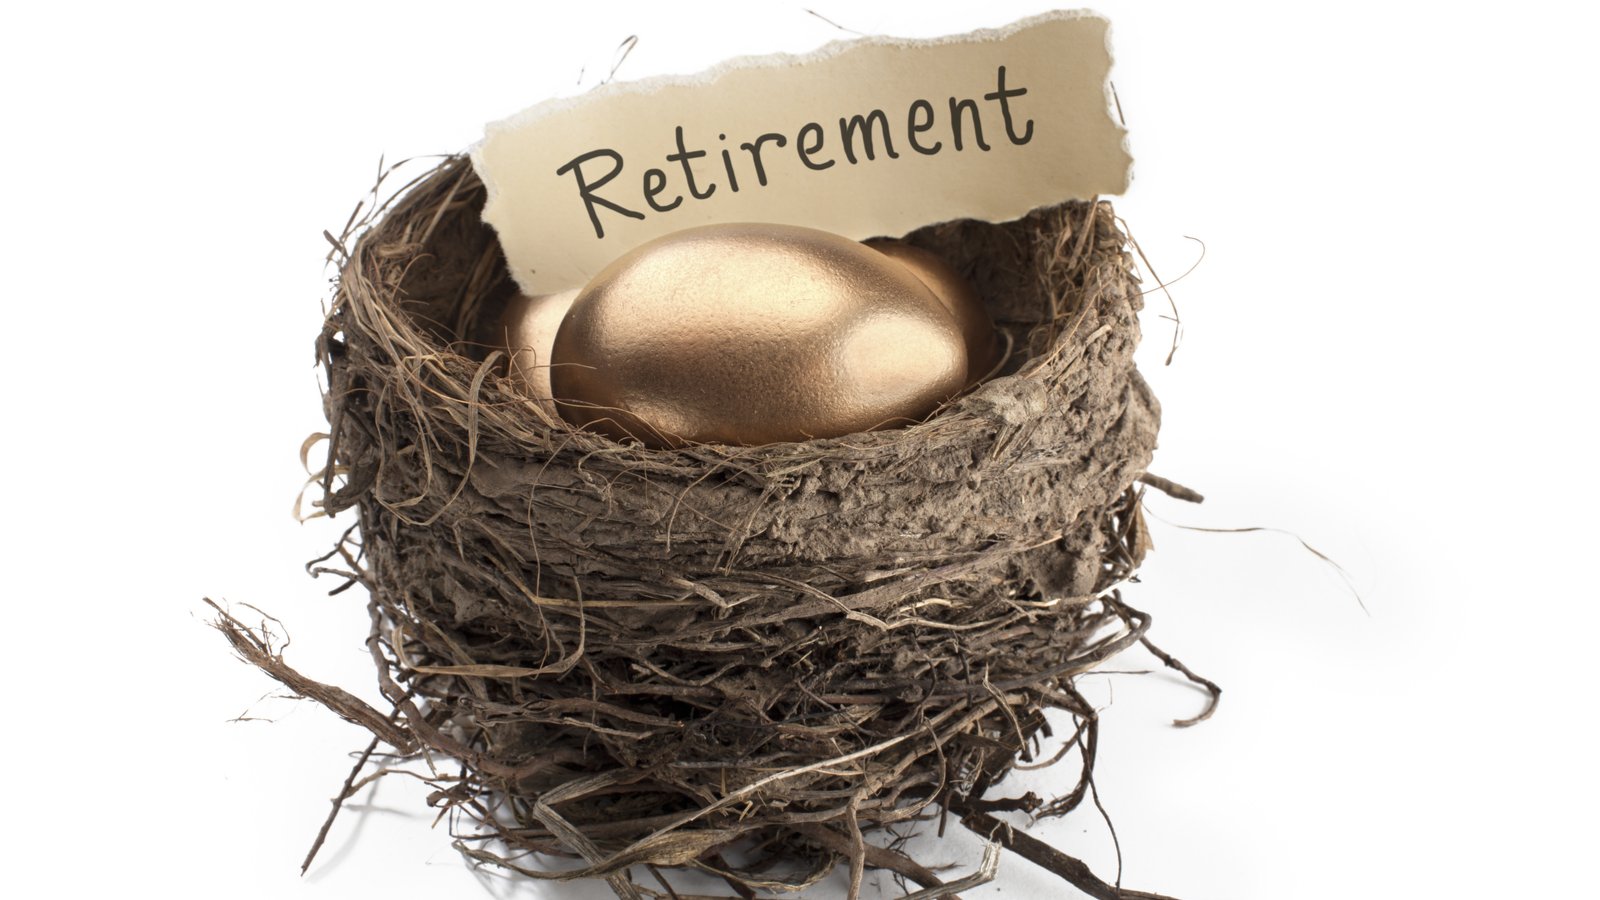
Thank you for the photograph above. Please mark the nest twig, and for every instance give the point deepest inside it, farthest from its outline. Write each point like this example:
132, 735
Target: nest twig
649, 658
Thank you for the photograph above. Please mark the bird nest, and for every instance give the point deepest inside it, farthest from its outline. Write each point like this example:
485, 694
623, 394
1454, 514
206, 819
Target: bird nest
740, 660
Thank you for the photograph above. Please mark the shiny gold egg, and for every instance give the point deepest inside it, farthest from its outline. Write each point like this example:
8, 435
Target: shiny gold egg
983, 345
526, 331
753, 334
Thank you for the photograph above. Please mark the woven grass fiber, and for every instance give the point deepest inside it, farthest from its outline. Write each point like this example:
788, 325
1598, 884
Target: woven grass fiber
740, 660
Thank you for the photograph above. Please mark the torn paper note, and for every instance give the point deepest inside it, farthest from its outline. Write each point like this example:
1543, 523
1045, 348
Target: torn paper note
869, 137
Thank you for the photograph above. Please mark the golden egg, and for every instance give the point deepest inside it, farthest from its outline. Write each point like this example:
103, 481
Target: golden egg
983, 345
753, 334
526, 331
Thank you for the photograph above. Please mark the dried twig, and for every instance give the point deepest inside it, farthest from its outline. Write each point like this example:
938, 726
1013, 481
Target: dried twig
253, 648
1211, 686
1171, 488
1067, 868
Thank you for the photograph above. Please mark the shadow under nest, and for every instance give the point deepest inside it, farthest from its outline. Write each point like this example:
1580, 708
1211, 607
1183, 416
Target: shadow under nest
646, 658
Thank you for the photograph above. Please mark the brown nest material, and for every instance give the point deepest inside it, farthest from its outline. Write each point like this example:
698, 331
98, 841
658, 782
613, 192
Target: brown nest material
650, 657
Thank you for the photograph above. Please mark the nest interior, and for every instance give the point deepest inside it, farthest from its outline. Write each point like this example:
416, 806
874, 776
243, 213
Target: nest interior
658, 656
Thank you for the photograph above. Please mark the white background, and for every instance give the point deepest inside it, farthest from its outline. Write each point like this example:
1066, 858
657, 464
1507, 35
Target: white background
1386, 354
